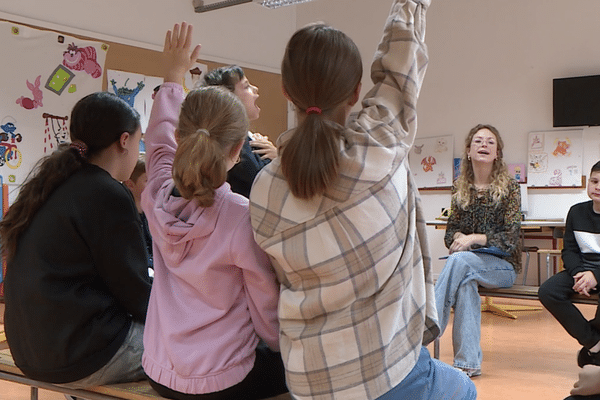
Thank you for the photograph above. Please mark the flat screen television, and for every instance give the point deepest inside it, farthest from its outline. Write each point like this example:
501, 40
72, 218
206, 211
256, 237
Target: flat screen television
576, 101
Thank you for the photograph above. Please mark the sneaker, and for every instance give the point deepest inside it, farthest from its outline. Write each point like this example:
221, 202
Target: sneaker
470, 372
585, 357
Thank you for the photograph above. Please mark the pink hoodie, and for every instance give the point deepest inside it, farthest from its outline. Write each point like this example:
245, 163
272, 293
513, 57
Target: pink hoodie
214, 292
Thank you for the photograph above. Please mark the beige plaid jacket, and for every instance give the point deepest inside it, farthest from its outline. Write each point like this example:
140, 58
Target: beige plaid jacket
357, 299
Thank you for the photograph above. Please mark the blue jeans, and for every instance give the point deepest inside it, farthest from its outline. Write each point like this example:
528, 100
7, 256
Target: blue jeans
456, 288
432, 379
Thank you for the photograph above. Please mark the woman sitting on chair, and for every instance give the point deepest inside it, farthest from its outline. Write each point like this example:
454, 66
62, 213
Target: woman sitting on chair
486, 213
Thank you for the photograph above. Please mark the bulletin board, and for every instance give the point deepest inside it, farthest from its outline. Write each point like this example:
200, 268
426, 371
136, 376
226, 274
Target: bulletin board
273, 105
36, 107
431, 161
555, 158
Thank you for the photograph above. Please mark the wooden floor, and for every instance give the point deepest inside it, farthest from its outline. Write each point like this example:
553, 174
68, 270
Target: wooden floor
530, 358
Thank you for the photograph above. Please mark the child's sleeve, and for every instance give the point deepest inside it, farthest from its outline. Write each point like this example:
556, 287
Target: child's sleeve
571, 254
160, 139
260, 283
389, 111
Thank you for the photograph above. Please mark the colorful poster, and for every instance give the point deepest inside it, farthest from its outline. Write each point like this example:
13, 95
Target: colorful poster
431, 161
517, 171
555, 158
45, 74
138, 90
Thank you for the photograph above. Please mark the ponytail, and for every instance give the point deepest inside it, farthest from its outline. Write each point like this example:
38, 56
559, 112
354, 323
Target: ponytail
320, 72
310, 159
212, 123
198, 179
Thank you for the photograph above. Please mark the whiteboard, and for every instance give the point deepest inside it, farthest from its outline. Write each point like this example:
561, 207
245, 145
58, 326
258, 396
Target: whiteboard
555, 158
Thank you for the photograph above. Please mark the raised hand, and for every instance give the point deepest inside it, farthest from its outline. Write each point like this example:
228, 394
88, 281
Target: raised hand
177, 57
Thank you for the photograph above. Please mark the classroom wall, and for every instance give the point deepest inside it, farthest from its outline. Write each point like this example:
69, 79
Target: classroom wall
249, 34
490, 61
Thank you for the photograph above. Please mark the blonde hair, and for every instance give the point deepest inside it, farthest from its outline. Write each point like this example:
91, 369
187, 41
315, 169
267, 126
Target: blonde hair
500, 175
212, 123
321, 68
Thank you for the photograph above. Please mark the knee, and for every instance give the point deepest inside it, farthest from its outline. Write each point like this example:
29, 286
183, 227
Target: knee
549, 293
545, 294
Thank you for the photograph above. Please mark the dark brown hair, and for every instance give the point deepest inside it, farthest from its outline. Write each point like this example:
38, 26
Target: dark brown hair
321, 68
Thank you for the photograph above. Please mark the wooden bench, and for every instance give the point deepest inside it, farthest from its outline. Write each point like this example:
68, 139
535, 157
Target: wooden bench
519, 292
122, 391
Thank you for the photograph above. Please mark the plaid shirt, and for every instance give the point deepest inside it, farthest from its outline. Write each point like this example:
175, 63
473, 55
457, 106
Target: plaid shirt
357, 298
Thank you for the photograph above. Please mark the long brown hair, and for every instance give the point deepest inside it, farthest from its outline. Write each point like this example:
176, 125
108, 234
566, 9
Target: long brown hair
500, 175
321, 68
212, 122
97, 120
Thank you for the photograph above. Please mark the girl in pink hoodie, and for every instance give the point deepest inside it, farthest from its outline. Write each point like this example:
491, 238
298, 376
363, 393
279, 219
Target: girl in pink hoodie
214, 295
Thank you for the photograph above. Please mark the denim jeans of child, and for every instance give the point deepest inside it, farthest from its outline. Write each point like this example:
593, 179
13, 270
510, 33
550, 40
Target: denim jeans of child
456, 288
432, 379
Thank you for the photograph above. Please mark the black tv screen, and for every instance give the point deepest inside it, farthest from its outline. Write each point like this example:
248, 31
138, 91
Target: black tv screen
576, 101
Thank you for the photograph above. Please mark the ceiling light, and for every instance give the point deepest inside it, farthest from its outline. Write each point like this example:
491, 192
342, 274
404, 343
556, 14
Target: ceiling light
279, 3
208, 5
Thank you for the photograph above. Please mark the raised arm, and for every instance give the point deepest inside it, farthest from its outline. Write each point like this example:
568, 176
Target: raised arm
177, 57
160, 135
398, 71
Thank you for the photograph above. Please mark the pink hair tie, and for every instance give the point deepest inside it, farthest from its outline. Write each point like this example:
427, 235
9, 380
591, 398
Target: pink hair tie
80, 147
314, 110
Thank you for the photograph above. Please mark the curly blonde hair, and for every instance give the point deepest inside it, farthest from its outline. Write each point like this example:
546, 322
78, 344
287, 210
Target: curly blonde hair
500, 176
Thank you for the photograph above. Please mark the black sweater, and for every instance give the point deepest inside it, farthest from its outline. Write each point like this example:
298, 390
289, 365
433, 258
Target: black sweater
581, 251
78, 279
242, 175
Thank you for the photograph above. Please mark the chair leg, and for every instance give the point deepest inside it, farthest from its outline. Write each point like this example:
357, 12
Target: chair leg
526, 269
539, 268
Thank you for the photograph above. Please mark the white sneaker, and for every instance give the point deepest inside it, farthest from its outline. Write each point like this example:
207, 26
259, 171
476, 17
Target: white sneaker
470, 372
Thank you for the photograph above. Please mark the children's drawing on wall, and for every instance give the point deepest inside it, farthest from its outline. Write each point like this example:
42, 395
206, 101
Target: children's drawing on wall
48, 73
456, 172
555, 158
82, 59
10, 155
517, 171
56, 132
431, 161
38, 96
138, 90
